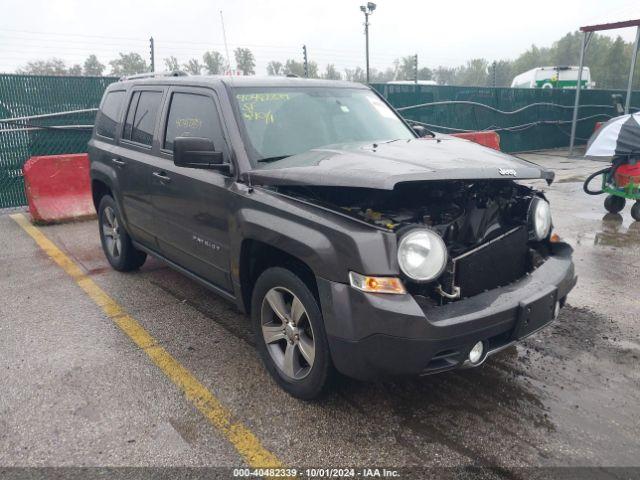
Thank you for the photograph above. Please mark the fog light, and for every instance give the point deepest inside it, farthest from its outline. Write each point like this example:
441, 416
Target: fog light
556, 310
475, 355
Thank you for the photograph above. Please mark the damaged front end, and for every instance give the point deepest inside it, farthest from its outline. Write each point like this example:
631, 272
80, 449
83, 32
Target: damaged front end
486, 226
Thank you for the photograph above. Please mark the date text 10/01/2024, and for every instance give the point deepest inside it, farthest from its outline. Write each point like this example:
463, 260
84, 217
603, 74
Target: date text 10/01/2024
316, 472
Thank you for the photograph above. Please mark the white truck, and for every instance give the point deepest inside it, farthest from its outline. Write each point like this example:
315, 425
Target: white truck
553, 77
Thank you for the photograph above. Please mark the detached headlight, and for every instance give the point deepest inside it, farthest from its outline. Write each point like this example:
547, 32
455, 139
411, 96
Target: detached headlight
539, 219
422, 255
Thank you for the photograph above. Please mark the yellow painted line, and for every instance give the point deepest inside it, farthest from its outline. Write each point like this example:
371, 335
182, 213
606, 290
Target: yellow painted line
244, 441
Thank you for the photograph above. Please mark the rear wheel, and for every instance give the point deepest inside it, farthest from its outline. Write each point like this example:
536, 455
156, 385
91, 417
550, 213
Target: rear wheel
290, 334
614, 204
116, 242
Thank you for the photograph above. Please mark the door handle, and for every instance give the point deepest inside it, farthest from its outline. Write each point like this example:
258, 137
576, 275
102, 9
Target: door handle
162, 177
119, 163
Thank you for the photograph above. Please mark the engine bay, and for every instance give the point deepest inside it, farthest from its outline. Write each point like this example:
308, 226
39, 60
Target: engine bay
465, 213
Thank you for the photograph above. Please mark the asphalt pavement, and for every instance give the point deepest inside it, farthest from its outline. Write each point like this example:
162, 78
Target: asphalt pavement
75, 390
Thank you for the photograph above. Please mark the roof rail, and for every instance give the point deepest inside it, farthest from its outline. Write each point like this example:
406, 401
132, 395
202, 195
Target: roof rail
174, 73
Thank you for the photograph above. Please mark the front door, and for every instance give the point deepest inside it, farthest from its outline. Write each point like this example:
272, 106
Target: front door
193, 204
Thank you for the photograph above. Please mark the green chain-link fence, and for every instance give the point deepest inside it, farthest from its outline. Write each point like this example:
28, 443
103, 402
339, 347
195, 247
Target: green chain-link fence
540, 118
537, 118
27, 95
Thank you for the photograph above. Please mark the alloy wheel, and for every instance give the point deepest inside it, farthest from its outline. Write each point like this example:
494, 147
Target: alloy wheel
287, 332
111, 233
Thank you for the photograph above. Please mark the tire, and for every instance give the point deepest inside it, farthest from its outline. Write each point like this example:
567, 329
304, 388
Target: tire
635, 211
115, 240
614, 204
291, 333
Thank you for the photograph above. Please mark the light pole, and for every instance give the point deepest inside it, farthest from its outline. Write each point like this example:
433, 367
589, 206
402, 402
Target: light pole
367, 10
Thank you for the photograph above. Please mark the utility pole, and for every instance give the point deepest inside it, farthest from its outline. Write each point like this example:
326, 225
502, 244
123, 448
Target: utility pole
415, 73
367, 10
494, 65
226, 47
153, 55
306, 63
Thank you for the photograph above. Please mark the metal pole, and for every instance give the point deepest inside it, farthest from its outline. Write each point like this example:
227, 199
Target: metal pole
306, 63
415, 77
366, 34
153, 55
226, 47
495, 65
627, 103
574, 120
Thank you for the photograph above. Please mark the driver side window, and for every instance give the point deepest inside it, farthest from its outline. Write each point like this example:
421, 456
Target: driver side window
193, 115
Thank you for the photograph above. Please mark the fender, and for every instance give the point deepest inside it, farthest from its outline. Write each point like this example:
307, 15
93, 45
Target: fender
331, 245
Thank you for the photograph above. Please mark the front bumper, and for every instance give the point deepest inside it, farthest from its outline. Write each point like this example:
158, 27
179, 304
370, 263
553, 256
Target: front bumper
376, 335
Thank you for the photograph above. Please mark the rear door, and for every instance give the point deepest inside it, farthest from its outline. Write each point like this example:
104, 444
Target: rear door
193, 204
135, 162
103, 144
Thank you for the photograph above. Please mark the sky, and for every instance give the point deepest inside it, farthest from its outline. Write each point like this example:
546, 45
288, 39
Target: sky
441, 33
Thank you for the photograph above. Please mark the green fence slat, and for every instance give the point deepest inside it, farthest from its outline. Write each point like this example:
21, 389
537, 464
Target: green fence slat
469, 117
24, 95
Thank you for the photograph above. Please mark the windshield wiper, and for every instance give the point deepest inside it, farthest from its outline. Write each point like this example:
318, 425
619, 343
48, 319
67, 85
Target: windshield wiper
272, 159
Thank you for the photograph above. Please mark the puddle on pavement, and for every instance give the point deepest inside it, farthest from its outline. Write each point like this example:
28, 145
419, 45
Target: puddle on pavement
613, 230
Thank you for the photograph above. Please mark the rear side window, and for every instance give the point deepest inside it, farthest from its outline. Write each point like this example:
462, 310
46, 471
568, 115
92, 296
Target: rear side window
192, 115
141, 117
109, 114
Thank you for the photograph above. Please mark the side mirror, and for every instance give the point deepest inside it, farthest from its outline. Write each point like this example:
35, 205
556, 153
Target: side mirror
420, 130
196, 152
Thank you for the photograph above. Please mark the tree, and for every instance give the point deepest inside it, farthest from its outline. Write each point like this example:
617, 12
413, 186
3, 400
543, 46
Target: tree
53, 66
445, 75
474, 73
128, 64
387, 75
275, 68
425, 73
245, 61
214, 63
93, 67
75, 70
566, 51
193, 67
355, 75
406, 68
617, 71
171, 64
293, 67
330, 72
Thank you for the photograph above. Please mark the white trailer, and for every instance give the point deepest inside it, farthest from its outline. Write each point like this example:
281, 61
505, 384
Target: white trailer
553, 77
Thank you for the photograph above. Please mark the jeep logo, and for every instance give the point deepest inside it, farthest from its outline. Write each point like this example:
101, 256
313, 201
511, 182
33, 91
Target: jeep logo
507, 171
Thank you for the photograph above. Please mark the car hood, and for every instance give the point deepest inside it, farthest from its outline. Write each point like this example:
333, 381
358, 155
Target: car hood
383, 165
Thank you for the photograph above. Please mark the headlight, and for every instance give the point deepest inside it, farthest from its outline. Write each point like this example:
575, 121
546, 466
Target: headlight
422, 255
539, 219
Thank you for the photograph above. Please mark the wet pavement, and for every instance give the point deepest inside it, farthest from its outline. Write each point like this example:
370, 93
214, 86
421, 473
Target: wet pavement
75, 391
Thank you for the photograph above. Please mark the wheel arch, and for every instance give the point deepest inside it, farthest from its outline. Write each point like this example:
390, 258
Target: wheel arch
257, 256
98, 190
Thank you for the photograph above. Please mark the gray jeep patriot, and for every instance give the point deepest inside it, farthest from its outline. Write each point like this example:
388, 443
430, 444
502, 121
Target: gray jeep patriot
355, 242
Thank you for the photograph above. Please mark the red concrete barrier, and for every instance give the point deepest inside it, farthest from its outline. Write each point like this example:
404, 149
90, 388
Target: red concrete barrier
58, 188
489, 138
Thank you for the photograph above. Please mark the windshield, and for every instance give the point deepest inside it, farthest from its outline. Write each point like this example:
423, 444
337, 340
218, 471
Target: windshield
283, 121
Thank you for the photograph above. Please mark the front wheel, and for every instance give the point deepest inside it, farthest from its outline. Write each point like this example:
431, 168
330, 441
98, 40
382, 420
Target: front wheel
290, 334
116, 242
